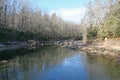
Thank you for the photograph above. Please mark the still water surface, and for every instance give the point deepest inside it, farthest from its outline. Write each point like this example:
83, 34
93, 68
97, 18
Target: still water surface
52, 63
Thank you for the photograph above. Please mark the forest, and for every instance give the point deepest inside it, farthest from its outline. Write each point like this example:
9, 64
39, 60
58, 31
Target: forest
20, 21
102, 20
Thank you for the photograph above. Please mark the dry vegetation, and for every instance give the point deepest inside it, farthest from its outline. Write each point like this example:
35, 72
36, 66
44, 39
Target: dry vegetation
21, 21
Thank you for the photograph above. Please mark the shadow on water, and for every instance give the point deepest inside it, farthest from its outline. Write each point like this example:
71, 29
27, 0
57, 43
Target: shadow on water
10, 54
53, 63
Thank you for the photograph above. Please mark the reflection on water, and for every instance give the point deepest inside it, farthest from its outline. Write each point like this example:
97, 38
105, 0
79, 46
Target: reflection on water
51, 63
102, 69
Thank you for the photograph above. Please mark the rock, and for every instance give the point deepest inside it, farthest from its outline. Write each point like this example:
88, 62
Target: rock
65, 43
32, 43
94, 52
3, 62
106, 39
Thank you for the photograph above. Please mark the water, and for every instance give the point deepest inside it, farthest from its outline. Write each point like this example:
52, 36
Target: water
51, 63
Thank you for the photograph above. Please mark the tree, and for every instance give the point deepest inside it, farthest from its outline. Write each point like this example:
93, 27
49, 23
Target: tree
101, 20
112, 21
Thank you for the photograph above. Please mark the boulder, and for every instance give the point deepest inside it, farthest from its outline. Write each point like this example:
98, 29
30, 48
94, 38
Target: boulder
3, 62
31, 43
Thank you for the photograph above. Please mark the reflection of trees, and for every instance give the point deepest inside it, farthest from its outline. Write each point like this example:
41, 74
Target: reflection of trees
3, 73
35, 62
102, 69
39, 60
